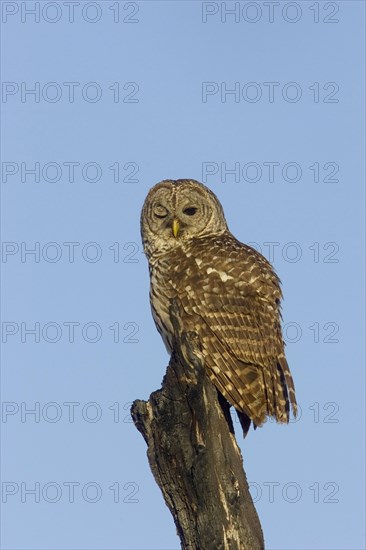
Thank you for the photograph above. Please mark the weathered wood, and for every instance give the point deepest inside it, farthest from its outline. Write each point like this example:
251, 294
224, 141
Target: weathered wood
194, 456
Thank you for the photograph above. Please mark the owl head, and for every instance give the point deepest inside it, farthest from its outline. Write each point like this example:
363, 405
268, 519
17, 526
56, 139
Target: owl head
175, 211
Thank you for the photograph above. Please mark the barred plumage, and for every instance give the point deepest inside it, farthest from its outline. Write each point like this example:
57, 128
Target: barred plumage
228, 293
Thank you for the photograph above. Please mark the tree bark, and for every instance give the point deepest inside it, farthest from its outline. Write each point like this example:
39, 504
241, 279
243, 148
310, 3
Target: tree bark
194, 456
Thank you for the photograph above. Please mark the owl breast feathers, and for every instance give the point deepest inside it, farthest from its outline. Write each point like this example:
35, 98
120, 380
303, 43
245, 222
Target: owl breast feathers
228, 295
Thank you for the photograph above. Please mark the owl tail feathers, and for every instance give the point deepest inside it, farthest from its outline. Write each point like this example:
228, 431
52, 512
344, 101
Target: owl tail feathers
244, 422
289, 383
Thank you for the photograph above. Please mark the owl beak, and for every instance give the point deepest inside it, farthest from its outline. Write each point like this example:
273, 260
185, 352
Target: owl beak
175, 227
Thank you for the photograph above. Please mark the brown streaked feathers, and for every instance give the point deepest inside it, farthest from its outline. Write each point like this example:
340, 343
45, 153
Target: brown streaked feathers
229, 295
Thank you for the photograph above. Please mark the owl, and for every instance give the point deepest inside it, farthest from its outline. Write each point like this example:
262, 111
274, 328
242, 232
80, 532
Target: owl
228, 295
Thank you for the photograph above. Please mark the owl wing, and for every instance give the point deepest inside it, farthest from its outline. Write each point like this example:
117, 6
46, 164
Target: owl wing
234, 307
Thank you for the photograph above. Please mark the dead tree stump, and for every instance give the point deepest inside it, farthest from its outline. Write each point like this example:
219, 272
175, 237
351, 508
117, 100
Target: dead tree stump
194, 456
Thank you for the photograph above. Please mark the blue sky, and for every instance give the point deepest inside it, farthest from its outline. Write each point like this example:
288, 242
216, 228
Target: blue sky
266, 106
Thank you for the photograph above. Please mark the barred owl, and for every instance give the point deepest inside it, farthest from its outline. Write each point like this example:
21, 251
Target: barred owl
228, 293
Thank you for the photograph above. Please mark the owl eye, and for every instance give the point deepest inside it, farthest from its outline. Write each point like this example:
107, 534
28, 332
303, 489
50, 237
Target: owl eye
160, 211
190, 211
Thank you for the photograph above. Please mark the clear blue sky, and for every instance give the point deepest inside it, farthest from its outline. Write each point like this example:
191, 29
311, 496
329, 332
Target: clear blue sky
124, 96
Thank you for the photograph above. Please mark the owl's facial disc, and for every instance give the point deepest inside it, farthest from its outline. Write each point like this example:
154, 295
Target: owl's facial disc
176, 211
